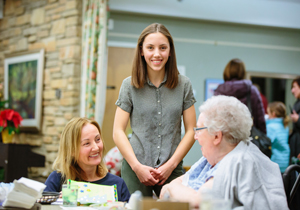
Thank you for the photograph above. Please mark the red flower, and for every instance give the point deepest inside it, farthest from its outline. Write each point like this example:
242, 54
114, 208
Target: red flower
10, 118
17, 119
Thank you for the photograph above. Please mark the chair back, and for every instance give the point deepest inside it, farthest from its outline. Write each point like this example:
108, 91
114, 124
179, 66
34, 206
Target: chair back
290, 185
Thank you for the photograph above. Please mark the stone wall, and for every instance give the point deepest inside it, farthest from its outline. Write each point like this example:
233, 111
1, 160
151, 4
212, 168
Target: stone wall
54, 25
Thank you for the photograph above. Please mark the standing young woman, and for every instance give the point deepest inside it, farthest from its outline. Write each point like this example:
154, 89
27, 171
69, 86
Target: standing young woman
154, 98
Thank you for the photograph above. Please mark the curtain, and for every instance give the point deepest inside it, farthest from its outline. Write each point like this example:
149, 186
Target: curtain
94, 56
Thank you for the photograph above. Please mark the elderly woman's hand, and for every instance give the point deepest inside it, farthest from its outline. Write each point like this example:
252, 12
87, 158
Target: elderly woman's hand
294, 116
164, 193
171, 190
176, 191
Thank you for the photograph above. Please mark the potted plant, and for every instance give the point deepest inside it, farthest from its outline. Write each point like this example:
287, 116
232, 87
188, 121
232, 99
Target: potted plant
10, 121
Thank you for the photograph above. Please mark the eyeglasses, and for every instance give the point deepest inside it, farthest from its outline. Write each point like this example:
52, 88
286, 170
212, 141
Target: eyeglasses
196, 130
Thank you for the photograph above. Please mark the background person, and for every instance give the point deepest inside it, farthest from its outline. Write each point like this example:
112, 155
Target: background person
80, 158
263, 98
236, 85
231, 166
154, 98
278, 132
294, 139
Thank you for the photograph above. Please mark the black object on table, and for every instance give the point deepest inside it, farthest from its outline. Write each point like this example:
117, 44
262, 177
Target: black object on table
16, 158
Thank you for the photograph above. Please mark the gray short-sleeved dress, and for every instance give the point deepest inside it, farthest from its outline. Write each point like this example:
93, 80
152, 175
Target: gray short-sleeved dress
155, 118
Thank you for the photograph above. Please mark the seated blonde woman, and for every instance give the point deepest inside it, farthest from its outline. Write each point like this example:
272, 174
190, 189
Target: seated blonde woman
80, 158
231, 166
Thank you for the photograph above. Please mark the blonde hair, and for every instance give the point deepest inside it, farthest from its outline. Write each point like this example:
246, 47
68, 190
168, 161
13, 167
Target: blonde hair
139, 67
66, 162
280, 111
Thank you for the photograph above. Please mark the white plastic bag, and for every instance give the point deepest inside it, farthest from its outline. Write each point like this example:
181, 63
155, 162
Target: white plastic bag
5, 188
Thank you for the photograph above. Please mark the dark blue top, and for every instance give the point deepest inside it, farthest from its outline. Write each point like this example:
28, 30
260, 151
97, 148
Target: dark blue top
54, 183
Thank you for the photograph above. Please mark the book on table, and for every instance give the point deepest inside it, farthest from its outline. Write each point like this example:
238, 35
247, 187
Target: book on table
92, 190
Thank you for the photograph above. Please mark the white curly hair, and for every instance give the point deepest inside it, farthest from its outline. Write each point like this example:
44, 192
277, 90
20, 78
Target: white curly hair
228, 115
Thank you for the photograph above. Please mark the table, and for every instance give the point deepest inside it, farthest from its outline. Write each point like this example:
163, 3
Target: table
50, 207
37, 206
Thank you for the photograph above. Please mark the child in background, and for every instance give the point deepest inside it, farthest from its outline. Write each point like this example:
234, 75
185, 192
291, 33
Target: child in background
278, 132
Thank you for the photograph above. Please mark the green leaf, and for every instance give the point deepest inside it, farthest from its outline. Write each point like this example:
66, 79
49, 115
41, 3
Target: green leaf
10, 130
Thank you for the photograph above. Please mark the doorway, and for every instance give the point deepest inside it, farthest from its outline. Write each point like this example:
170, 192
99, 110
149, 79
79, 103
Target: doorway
275, 87
118, 68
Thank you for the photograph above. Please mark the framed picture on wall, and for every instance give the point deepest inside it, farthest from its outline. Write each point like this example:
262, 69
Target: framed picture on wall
23, 85
210, 86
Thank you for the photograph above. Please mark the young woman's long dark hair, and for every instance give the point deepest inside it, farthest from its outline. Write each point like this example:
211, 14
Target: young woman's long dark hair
139, 67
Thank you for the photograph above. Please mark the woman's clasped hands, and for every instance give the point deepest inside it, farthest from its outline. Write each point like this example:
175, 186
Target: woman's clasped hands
147, 175
151, 176
164, 173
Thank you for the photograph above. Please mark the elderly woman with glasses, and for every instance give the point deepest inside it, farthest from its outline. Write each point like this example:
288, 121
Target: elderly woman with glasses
232, 167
